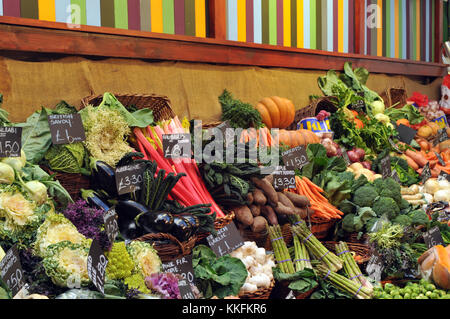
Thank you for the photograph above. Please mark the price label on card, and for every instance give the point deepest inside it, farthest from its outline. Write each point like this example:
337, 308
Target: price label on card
426, 173
443, 176
290, 295
295, 158
66, 128
433, 237
375, 267
129, 178
283, 178
177, 145
185, 289
395, 176
10, 141
111, 226
405, 133
345, 156
96, 266
442, 137
386, 167
440, 159
359, 104
11, 271
227, 239
183, 267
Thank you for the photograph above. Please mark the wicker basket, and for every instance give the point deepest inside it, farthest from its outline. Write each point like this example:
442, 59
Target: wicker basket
160, 105
353, 238
73, 183
262, 293
322, 103
219, 223
174, 250
363, 251
304, 295
393, 96
322, 228
263, 239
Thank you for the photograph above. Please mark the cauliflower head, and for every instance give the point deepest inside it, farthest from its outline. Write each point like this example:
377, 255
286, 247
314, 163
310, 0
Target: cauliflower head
145, 258
57, 228
16, 209
66, 263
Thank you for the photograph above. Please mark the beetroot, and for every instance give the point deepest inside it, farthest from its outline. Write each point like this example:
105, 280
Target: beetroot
366, 164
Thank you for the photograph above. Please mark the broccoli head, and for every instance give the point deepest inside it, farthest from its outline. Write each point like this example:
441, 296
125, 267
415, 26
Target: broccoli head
347, 207
359, 182
404, 204
386, 206
365, 196
404, 220
419, 217
350, 223
391, 189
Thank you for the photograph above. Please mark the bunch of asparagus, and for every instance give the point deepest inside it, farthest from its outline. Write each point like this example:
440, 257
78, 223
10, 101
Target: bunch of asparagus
350, 267
316, 248
282, 256
301, 255
343, 283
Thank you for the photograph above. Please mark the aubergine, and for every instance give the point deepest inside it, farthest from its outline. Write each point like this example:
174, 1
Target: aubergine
104, 177
129, 210
181, 229
194, 221
129, 229
162, 221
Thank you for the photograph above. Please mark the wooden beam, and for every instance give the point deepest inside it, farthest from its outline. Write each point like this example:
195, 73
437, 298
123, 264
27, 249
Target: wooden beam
218, 19
438, 35
360, 27
27, 35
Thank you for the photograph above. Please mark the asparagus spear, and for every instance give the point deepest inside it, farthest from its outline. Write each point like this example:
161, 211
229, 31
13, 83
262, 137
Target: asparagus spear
280, 250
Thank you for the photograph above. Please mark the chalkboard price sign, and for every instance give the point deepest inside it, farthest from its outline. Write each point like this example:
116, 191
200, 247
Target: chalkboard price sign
11, 270
96, 265
10, 141
177, 145
227, 240
129, 178
443, 176
375, 267
283, 178
295, 158
111, 226
426, 173
386, 167
433, 237
405, 133
66, 128
183, 267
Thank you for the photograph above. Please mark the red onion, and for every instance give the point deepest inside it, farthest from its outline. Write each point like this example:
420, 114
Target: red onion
353, 156
360, 152
366, 164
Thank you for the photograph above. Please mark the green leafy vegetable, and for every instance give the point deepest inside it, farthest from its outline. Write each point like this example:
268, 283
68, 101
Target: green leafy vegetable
239, 114
68, 158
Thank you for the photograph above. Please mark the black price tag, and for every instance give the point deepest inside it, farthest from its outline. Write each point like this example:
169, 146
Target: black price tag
295, 158
96, 266
405, 133
177, 145
360, 104
442, 136
111, 226
426, 173
227, 240
375, 267
11, 270
394, 146
10, 141
183, 267
345, 156
129, 178
433, 237
395, 176
440, 159
386, 167
283, 178
290, 295
443, 176
66, 128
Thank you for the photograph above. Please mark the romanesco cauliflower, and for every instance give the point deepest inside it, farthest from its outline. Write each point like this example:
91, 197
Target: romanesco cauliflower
120, 264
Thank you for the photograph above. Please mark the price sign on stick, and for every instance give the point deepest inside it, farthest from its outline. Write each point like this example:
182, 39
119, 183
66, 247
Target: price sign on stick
129, 178
375, 267
10, 141
443, 176
426, 173
386, 167
111, 226
433, 237
228, 239
11, 271
405, 133
345, 156
183, 267
96, 266
283, 178
442, 136
295, 158
177, 145
66, 128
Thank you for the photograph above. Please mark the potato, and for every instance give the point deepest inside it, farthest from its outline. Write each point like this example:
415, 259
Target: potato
298, 200
269, 213
244, 215
285, 200
267, 188
256, 210
284, 210
259, 224
250, 198
259, 198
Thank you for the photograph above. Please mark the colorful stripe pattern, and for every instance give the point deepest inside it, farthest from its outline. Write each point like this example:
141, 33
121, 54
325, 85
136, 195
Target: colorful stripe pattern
184, 17
327, 25
405, 31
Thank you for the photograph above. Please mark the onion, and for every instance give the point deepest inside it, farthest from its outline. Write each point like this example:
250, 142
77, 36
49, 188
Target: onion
353, 156
360, 152
366, 164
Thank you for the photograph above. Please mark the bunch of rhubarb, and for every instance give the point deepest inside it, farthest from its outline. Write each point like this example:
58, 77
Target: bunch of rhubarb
190, 190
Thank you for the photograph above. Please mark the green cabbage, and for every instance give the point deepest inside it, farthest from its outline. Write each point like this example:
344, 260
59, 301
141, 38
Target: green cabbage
67, 158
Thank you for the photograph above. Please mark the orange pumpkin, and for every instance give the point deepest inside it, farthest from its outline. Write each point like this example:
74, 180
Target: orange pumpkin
403, 121
276, 112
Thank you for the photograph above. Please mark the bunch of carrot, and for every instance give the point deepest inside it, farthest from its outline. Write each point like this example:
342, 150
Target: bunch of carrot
319, 204
418, 159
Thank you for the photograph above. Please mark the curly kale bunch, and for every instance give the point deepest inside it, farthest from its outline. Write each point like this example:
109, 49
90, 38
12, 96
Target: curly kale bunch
239, 114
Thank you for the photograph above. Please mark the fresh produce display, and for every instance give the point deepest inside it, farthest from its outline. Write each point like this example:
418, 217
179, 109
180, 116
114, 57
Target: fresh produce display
366, 214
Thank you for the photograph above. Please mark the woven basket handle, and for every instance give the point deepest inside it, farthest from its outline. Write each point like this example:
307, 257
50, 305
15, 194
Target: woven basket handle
163, 236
